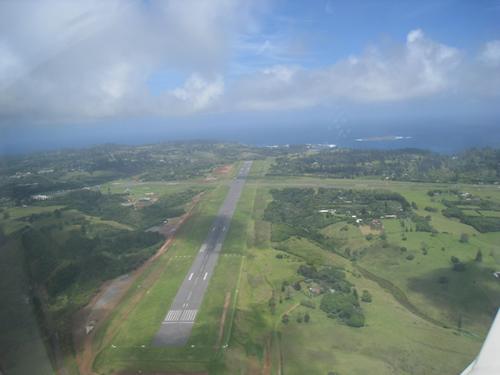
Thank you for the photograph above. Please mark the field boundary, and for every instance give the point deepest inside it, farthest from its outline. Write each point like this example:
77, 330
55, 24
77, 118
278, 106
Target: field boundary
399, 296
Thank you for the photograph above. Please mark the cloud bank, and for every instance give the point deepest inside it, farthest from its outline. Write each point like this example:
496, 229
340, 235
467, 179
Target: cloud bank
73, 60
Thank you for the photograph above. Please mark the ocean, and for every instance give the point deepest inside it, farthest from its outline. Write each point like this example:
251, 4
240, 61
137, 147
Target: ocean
438, 137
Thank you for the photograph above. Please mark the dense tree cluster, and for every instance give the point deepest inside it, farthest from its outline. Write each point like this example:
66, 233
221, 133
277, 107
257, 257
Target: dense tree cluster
108, 206
340, 300
474, 211
303, 212
48, 172
60, 262
472, 166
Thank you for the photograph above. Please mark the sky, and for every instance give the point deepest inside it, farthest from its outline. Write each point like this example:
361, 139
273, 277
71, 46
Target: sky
86, 72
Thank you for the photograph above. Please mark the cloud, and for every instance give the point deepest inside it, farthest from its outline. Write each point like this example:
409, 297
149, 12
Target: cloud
199, 94
490, 53
64, 61
419, 68
70, 60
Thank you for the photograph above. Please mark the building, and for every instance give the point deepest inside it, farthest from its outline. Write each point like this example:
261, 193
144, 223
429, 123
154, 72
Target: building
40, 197
376, 224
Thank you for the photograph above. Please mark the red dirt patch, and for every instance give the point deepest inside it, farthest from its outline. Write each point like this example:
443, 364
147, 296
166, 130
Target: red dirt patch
225, 169
98, 310
266, 368
223, 319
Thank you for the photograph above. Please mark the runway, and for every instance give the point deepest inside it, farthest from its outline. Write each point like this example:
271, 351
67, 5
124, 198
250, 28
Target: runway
176, 327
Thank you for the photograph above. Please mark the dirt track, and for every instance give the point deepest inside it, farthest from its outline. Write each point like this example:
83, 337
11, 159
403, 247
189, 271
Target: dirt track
223, 319
109, 296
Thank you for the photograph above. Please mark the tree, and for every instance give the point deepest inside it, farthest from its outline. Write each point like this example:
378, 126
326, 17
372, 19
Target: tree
356, 319
464, 238
299, 318
366, 296
272, 304
6, 215
355, 293
284, 284
459, 267
414, 206
285, 319
296, 285
307, 318
479, 256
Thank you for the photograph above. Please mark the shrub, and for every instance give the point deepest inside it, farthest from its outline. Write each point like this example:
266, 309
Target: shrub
459, 267
366, 296
410, 257
356, 319
307, 318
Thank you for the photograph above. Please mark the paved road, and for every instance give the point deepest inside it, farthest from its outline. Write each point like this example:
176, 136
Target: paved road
178, 323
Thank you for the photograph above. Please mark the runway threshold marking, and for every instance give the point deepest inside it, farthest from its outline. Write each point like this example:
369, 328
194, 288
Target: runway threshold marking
205, 276
188, 315
180, 316
191, 276
173, 315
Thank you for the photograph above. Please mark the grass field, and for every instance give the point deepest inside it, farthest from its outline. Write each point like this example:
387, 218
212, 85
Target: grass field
139, 326
394, 340
404, 331
140, 189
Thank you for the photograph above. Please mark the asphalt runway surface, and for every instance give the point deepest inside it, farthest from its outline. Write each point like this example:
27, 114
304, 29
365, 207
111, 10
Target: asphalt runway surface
176, 327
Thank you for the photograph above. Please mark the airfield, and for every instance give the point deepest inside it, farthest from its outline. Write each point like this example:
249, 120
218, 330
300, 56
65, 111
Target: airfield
168, 323
178, 323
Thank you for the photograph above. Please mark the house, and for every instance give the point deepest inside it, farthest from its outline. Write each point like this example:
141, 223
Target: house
376, 224
315, 290
40, 197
